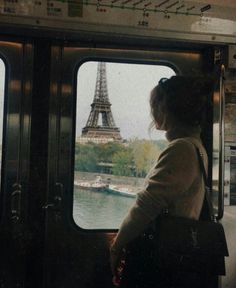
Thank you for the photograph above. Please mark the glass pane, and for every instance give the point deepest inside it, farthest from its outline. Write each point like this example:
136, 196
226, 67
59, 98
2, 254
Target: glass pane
228, 220
2, 85
230, 144
114, 146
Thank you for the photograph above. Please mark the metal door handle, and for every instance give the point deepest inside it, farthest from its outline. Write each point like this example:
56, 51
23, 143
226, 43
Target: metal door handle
16, 203
57, 200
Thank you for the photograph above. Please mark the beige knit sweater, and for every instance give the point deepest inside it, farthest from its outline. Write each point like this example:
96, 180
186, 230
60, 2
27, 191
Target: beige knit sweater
175, 182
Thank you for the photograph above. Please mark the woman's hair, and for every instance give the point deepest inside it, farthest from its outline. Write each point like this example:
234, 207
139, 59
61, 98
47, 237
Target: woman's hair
182, 97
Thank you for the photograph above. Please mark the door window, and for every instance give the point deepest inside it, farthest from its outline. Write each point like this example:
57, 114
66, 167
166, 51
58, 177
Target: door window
114, 145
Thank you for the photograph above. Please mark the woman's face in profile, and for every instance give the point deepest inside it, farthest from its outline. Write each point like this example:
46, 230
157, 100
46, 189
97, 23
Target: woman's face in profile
158, 110
159, 124
160, 117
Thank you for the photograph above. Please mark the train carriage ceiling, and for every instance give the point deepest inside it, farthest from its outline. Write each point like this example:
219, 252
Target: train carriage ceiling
183, 18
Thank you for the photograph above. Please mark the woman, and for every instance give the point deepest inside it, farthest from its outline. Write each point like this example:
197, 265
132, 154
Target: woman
175, 182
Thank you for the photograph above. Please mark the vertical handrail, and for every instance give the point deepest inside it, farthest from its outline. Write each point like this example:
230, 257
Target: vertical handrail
221, 144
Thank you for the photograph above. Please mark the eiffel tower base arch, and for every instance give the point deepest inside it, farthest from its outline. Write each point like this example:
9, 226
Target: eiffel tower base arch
102, 133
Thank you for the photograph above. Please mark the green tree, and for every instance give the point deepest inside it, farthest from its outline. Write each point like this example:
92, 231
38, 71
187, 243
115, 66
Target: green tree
133, 158
123, 163
106, 151
144, 153
86, 158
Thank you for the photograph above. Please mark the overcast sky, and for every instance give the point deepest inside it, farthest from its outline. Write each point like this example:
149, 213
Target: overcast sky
129, 87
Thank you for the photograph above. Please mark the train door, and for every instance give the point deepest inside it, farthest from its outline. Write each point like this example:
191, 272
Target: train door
228, 162
77, 250
15, 97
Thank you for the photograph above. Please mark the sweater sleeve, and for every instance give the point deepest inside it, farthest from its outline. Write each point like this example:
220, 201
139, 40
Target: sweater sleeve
171, 177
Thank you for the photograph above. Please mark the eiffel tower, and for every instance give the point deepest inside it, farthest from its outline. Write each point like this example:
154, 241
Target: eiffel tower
101, 107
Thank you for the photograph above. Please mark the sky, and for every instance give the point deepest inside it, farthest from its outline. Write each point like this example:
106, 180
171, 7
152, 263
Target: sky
129, 87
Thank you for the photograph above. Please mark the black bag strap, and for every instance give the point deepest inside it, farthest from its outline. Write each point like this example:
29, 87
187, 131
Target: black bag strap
207, 208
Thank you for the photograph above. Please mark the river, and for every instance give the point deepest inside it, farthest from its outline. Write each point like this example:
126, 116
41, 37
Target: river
99, 209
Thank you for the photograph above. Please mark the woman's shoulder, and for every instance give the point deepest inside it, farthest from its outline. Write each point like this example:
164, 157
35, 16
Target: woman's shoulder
183, 147
187, 143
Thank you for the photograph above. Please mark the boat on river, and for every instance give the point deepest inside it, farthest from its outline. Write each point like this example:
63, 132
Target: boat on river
99, 185
121, 190
96, 185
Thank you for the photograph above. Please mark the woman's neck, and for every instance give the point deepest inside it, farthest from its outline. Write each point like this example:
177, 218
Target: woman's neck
181, 131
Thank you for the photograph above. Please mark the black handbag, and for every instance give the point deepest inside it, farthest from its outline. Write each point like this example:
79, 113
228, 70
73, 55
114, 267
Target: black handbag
177, 246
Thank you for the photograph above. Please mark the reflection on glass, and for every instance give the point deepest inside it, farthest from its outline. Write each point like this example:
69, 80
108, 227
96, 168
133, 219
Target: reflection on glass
2, 82
230, 145
215, 165
114, 147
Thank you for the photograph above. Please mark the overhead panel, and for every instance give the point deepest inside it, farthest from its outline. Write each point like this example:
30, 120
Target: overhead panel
124, 16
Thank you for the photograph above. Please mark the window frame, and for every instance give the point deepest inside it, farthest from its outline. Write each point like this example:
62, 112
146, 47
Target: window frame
157, 64
65, 64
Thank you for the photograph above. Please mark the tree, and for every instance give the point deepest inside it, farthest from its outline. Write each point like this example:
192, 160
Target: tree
106, 151
145, 153
86, 158
133, 158
123, 163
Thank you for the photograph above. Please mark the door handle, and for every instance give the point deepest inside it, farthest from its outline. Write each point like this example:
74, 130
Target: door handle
16, 203
57, 199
